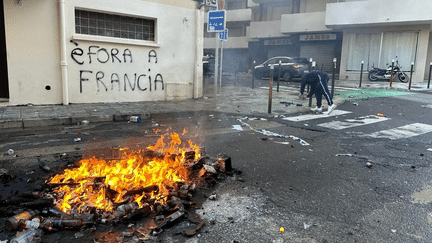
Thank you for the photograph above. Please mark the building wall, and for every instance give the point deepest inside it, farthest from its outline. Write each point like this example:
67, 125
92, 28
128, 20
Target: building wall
421, 53
103, 69
33, 55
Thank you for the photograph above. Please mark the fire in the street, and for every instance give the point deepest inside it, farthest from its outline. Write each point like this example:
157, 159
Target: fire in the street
149, 173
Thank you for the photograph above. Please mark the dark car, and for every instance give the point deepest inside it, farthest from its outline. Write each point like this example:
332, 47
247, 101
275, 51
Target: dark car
208, 65
291, 67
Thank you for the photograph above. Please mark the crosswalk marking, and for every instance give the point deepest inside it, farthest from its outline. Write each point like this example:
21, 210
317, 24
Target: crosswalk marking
313, 116
406, 131
359, 121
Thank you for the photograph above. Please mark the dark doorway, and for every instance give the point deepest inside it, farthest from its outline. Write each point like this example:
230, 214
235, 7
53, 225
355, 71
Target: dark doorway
4, 86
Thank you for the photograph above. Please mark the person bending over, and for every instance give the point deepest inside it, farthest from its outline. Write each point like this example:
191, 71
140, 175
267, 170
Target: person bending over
318, 81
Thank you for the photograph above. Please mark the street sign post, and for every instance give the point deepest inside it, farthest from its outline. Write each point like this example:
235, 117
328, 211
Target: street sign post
216, 21
223, 35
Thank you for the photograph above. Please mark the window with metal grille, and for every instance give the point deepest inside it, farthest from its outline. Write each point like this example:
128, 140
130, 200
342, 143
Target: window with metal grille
111, 25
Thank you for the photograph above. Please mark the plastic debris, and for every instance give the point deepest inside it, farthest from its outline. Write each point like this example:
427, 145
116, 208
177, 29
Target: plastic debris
77, 140
429, 149
380, 115
281, 230
11, 152
306, 226
43, 166
350, 155
213, 218
284, 143
369, 165
84, 122
237, 127
355, 104
212, 197
272, 134
393, 231
31, 235
136, 119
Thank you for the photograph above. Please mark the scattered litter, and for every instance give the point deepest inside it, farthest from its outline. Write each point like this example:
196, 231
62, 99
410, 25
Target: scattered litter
287, 103
212, 197
306, 125
271, 134
350, 155
77, 140
380, 115
281, 230
237, 127
429, 149
84, 122
43, 166
284, 143
306, 226
267, 139
299, 104
315, 224
136, 119
10, 152
369, 165
393, 231
355, 104
351, 96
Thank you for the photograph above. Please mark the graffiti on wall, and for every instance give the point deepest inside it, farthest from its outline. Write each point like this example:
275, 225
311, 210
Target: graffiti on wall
114, 81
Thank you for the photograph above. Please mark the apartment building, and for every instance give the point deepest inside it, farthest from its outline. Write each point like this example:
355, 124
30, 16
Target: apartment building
350, 31
79, 51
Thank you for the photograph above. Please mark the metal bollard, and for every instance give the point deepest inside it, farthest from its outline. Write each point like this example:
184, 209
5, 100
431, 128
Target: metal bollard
270, 88
280, 69
411, 72
333, 76
253, 74
430, 70
361, 73
391, 74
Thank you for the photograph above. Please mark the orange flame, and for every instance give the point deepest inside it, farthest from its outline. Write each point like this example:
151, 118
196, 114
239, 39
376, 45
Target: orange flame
133, 171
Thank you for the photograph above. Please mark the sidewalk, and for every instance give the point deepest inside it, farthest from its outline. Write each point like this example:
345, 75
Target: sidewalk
230, 99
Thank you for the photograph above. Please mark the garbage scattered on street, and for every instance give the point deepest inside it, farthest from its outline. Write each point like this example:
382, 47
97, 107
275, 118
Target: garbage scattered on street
43, 166
237, 127
77, 140
284, 143
306, 226
271, 134
84, 122
350, 155
281, 230
11, 152
136, 119
429, 149
380, 115
355, 103
369, 165
393, 231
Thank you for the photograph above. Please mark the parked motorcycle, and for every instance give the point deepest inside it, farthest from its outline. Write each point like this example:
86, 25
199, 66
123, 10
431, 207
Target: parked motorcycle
384, 74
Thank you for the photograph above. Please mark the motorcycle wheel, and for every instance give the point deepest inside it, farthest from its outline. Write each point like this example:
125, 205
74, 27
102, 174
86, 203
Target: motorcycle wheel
373, 76
403, 77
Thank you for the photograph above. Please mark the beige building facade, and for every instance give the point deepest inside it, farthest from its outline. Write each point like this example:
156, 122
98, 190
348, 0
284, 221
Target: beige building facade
77, 51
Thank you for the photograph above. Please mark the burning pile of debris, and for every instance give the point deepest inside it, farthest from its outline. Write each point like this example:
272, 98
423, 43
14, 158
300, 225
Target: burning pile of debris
155, 185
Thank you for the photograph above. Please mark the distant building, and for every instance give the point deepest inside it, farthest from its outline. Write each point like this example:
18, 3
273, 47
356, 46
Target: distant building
79, 51
351, 31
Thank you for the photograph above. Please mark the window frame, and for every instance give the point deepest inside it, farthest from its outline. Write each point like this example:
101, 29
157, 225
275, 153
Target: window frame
116, 40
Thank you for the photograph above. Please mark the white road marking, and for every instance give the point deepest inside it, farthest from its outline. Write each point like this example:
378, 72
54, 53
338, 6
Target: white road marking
406, 131
359, 121
311, 117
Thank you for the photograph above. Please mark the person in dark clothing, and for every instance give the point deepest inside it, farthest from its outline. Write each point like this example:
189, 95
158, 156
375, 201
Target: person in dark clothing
318, 81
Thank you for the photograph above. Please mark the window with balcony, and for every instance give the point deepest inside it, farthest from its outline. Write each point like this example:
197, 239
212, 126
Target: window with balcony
112, 25
273, 10
379, 49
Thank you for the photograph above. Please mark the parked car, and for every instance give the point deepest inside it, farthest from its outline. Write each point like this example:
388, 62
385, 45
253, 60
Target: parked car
208, 65
291, 67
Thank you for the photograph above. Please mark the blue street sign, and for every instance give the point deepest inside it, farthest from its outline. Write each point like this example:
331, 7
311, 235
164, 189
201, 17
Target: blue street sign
223, 35
216, 21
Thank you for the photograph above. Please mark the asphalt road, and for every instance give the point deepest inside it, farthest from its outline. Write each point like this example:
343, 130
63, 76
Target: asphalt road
322, 192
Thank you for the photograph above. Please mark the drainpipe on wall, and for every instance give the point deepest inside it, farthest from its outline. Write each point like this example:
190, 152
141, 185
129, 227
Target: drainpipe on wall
63, 62
199, 43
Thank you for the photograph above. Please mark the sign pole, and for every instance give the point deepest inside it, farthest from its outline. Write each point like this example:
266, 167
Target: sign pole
221, 65
216, 71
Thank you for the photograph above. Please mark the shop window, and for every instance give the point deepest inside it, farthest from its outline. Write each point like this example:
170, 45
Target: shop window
111, 25
379, 49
